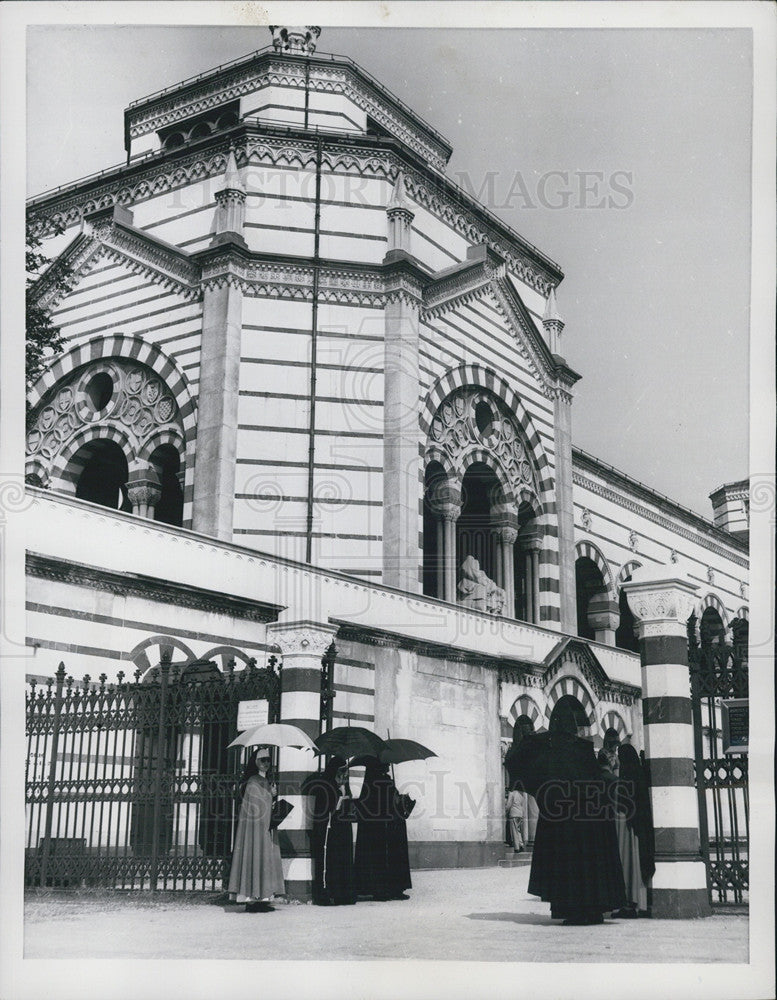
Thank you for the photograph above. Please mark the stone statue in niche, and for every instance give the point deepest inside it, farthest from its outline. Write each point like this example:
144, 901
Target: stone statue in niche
477, 591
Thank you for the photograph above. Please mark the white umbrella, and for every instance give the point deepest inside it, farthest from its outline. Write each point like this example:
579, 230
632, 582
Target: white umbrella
276, 734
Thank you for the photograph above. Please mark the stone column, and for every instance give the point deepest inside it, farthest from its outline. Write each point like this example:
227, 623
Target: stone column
222, 323
507, 539
214, 468
662, 606
402, 484
439, 569
450, 514
144, 491
603, 617
302, 644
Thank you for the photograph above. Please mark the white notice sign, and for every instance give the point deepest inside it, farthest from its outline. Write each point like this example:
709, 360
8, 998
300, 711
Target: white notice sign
251, 713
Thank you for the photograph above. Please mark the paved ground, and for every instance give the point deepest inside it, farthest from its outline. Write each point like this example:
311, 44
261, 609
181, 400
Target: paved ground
481, 914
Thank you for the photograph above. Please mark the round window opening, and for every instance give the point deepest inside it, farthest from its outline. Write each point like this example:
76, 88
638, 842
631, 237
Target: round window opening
99, 389
483, 416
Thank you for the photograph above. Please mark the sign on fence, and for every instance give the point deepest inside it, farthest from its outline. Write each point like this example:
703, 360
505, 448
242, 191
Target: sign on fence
252, 713
735, 717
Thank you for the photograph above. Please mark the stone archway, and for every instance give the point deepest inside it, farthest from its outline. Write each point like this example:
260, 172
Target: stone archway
481, 486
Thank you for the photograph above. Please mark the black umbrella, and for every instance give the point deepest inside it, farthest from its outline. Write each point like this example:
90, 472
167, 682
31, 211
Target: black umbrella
397, 752
349, 741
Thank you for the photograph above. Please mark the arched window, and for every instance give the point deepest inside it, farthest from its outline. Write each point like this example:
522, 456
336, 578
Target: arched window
434, 481
167, 463
103, 476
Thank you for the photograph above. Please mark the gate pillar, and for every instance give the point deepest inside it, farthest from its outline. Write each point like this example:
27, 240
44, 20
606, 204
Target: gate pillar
302, 643
662, 606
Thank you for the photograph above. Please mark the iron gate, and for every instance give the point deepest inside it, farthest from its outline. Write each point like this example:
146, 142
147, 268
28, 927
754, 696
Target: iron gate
130, 785
719, 672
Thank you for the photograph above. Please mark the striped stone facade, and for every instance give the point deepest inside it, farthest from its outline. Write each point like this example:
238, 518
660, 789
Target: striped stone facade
327, 318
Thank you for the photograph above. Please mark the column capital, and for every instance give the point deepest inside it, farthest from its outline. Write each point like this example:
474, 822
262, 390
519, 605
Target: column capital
531, 539
302, 638
661, 604
449, 512
507, 533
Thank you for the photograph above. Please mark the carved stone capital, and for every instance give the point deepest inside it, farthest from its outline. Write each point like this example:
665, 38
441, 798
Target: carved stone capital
508, 534
662, 606
302, 638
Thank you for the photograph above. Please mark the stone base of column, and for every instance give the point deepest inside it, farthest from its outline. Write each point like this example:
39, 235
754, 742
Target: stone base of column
680, 904
298, 874
680, 890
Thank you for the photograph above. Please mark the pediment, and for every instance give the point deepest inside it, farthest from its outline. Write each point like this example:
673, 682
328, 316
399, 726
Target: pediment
579, 653
483, 277
162, 263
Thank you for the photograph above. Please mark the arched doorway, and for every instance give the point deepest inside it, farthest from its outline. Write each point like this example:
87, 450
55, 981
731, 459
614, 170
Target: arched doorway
104, 474
569, 703
711, 627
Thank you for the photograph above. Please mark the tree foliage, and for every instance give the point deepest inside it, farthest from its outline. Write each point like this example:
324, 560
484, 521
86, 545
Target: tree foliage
43, 340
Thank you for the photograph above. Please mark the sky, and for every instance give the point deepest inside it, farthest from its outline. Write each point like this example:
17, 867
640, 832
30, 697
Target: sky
623, 154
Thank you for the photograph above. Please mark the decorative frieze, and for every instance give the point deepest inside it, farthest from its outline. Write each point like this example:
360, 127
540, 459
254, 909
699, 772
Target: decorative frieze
622, 500
162, 591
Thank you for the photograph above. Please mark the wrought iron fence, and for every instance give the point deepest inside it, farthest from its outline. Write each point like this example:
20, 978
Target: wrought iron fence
719, 672
130, 785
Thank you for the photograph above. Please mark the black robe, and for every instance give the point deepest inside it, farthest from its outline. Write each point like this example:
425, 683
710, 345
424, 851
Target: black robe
382, 865
331, 841
576, 866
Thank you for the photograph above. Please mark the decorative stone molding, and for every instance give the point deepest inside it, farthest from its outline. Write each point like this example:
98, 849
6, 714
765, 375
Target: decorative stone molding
710, 575
626, 502
633, 541
674, 557
161, 591
454, 435
585, 520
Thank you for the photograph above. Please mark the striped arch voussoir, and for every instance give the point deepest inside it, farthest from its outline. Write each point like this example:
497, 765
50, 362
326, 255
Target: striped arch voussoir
524, 705
70, 464
120, 345
712, 601
589, 551
144, 657
571, 685
627, 569
613, 720
484, 378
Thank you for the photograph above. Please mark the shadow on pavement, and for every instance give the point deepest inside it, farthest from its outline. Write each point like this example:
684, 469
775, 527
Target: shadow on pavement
515, 918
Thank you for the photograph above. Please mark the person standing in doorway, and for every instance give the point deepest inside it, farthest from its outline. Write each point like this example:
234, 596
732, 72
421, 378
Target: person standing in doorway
515, 809
257, 871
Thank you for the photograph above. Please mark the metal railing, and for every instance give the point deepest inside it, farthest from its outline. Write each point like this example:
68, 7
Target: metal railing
131, 785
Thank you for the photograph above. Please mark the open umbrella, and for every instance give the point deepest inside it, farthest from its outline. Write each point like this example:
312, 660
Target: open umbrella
275, 734
396, 752
348, 741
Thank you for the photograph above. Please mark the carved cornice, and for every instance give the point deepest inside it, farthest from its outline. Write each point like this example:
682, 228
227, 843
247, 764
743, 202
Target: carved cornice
272, 70
76, 260
161, 262
291, 280
630, 504
150, 588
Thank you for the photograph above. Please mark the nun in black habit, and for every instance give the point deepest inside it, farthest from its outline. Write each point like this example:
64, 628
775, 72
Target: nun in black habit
331, 834
382, 864
575, 865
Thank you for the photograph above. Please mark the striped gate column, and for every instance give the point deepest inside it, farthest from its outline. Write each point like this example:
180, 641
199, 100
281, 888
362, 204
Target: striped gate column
662, 607
302, 644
